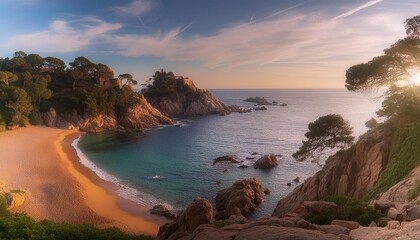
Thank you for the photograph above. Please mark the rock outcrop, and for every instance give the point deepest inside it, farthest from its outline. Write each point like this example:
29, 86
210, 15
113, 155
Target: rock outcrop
14, 198
187, 101
394, 231
198, 213
266, 162
239, 199
351, 173
138, 113
270, 228
162, 210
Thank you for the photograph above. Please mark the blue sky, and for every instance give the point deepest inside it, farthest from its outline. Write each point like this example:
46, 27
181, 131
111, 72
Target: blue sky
217, 43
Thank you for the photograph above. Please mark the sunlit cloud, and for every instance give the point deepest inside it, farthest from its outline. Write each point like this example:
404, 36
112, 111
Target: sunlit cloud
310, 38
357, 9
61, 37
134, 9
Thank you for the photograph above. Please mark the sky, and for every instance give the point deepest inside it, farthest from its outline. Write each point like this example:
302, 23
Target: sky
217, 43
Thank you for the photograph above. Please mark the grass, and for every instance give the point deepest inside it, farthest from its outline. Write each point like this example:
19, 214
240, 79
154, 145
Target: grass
405, 156
349, 209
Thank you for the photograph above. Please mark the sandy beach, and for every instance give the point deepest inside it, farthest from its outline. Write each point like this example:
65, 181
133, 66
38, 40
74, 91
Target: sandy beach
42, 162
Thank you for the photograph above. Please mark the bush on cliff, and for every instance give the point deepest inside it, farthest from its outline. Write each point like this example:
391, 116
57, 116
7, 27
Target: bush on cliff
349, 209
20, 226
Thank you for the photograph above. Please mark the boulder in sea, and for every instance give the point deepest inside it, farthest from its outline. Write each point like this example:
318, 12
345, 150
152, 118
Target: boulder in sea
283, 105
289, 184
198, 213
297, 179
243, 195
227, 158
162, 210
266, 162
267, 191
260, 108
238, 109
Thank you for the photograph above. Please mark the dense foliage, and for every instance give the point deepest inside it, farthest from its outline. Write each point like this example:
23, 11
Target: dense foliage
349, 209
329, 131
162, 83
31, 84
21, 226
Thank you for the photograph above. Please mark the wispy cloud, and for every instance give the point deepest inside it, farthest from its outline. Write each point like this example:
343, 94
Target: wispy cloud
134, 9
357, 9
285, 39
61, 37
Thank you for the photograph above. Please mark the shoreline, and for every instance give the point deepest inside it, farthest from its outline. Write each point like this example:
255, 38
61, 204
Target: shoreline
66, 190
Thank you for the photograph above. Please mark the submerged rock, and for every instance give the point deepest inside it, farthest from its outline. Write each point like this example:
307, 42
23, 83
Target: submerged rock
261, 108
227, 158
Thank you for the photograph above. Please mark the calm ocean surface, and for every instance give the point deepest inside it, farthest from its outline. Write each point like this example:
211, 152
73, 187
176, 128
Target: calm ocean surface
174, 164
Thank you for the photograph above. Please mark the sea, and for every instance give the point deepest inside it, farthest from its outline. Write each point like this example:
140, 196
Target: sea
174, 164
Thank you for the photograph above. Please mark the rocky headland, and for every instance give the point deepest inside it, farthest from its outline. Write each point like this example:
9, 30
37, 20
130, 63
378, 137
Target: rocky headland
136, 114
186, 100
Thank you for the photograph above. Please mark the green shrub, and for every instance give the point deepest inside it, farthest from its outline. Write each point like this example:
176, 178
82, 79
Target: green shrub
3, 206
20, 226
349, 209
404, 157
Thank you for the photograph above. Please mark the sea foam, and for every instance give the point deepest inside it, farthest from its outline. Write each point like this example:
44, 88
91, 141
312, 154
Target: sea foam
123, 190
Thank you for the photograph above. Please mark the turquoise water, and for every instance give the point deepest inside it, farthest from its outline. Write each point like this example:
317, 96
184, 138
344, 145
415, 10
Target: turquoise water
174, 164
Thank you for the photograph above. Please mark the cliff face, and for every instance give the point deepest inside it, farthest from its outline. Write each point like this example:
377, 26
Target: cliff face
188, 101
352, 173
140, 114
137, 114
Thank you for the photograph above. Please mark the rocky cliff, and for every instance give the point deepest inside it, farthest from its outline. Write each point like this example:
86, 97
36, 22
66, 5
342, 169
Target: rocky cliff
187, 101
137, 114
352, 172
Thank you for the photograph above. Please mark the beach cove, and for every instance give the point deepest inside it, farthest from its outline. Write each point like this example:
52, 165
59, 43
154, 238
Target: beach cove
42, 162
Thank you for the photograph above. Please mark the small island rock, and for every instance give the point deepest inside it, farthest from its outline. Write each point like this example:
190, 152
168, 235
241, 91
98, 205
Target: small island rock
266, 162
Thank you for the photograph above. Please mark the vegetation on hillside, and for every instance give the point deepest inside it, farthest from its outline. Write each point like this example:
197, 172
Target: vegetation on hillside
349, 209
31, 84
21, 226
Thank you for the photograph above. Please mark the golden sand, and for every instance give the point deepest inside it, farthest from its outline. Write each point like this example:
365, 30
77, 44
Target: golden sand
41, 162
